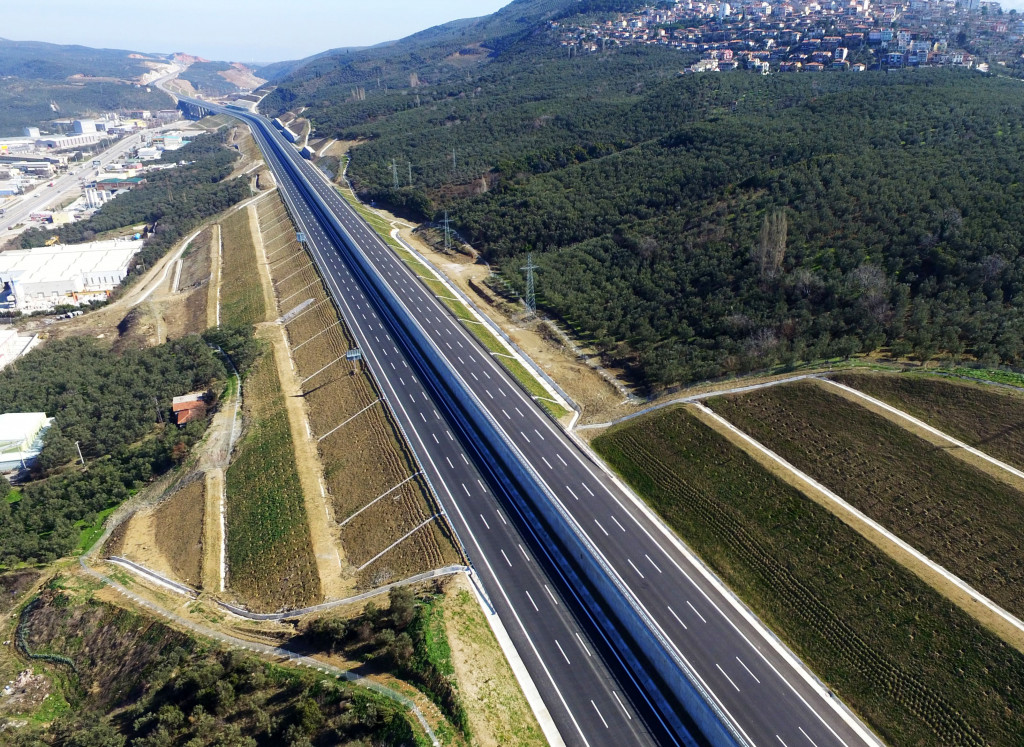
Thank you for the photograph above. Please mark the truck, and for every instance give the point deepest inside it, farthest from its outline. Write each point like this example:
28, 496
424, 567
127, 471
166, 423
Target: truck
96, 163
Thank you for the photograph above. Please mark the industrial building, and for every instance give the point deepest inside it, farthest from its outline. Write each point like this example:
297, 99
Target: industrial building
13, 346
47, 276
67, 142
21, 438
115, 183
95, 198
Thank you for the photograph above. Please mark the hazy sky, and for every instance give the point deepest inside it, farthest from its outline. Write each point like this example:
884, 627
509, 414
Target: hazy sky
234, 30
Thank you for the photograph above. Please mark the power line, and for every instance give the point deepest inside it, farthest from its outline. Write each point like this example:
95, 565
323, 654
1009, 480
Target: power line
531, 293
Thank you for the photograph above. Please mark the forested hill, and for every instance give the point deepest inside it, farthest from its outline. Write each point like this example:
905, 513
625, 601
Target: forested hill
434, 55
40, 81
55, 62
890, 204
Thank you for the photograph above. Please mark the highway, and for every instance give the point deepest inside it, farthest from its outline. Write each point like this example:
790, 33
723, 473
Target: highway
754, 686
42, 196
587, 691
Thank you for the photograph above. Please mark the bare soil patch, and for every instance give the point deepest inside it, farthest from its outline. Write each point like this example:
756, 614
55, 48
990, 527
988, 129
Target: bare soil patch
498, 711
181, 525
988, 418
26, 693
140, 544
213, 537
13, 585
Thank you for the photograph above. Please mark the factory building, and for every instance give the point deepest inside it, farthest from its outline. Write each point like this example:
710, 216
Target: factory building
21, 438
66, 142
48, 276
115, 183
13, 346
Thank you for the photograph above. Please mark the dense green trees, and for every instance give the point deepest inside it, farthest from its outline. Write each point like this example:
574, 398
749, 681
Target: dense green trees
118, 408
643, 194
34, 74
141, 683
171, 202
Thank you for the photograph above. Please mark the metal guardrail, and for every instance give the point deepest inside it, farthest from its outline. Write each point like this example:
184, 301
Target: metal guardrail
455, 394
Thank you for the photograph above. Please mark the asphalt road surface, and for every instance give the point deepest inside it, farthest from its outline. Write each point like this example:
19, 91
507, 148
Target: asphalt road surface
754, 685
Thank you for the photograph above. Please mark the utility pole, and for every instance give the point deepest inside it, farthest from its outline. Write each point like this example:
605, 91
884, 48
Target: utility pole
447, 234
531, 292
80, 457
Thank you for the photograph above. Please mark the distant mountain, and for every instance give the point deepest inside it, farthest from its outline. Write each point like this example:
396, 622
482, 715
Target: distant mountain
41, 81
221, 78
433, 53
276, 70
58, 62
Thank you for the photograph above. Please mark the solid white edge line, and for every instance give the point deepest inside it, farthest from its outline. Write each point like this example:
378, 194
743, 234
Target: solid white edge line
530, 691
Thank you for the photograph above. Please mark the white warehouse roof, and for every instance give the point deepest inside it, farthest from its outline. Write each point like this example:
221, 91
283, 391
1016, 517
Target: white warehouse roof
53, 271
21, 438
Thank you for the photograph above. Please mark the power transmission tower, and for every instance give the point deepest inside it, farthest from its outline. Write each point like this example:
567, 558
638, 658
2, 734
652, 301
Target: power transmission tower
531, 292
410, 174
454, 167
447, 234
394, 174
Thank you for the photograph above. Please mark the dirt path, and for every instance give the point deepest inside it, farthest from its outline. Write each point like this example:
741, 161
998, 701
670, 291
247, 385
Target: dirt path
1005, 630
213, 534
322, 526
213, 290
269, 300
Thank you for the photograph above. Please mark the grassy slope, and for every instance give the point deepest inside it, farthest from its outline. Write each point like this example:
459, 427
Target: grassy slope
143, 680
241, 294
955, 514
269, 556
915, 666
989, 418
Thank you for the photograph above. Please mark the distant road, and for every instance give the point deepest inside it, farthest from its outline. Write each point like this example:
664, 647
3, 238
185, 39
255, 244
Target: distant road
42, 197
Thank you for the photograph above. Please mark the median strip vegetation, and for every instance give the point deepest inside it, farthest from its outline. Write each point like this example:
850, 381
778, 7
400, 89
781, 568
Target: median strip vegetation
914, 665
957, 515
986, 417
462, 312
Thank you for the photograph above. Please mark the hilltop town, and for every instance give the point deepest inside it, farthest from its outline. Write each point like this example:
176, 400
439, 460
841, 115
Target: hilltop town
814, 36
